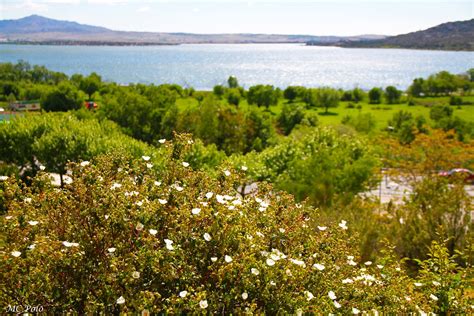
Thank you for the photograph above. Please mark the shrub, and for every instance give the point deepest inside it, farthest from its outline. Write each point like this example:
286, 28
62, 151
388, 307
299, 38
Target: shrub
124, 238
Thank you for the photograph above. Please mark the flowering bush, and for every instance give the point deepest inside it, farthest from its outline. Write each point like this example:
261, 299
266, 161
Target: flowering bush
124, 237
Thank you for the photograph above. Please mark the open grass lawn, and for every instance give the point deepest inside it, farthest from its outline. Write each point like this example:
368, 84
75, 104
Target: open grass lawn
382, 113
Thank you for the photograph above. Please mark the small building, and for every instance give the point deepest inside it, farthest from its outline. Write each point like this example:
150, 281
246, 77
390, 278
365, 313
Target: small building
20, 106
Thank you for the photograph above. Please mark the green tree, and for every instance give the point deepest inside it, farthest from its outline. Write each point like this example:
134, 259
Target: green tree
263, 95
357, 95
232, 82
417, 87
219, 90
64, 97
375, 96
327, 98
290, 93
392, 95
233, 96
90, 84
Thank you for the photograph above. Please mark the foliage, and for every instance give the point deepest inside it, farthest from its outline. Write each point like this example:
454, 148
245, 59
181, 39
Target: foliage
375, 96
90, 84
263, 95
392, 95
315, 163
322, 97
63, 98
362, 122
232, 82
176, 241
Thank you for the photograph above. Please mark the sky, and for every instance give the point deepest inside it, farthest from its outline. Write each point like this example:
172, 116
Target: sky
312, 17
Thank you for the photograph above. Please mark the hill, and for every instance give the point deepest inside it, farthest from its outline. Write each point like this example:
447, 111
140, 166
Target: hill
447, 36
40, 30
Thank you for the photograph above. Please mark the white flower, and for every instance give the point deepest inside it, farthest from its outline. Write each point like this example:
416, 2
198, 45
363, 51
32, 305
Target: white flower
228, 259
115, 186
196, 211
332, 295
32, 246
106, 216
270, 262
245, 296
33, 223
153, 231
207, 237
343, 225
282, 230
355, 311
244, 168
273, 283
309, 295
111, 250
368, 263
318, 266
436, 283
146, 158
298, 262
149, 165
433, 297
418, 284
227, 173
259, 234
120, 300
169, 244
178, 188
351, 262
3, 178
203, 304
213, 259
185, 164
139, 227
42, 168
183, 294
16, 254
209, 195
162, 201
162, 141
220, 199
337, 305
85, 163
380, 266
70, 244
322, 228
397, 269
135, 274
347, 281
157, 183
255, 271
27, 200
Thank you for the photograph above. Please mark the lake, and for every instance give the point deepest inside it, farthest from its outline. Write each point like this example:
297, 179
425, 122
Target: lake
203, 66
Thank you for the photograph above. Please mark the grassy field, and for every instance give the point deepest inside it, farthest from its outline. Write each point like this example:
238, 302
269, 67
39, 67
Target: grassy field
382, 113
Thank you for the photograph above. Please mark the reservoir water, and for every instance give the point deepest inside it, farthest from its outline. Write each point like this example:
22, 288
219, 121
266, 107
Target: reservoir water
204, 65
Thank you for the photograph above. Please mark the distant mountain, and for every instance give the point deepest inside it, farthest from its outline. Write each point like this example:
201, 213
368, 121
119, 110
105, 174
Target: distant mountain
446, 36
39, 24
40, 30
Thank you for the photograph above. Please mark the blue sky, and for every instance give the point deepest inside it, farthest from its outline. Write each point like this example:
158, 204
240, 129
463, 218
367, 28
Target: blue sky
316, 17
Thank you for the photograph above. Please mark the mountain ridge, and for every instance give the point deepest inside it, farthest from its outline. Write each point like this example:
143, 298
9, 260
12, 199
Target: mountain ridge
37, 29
456, 36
